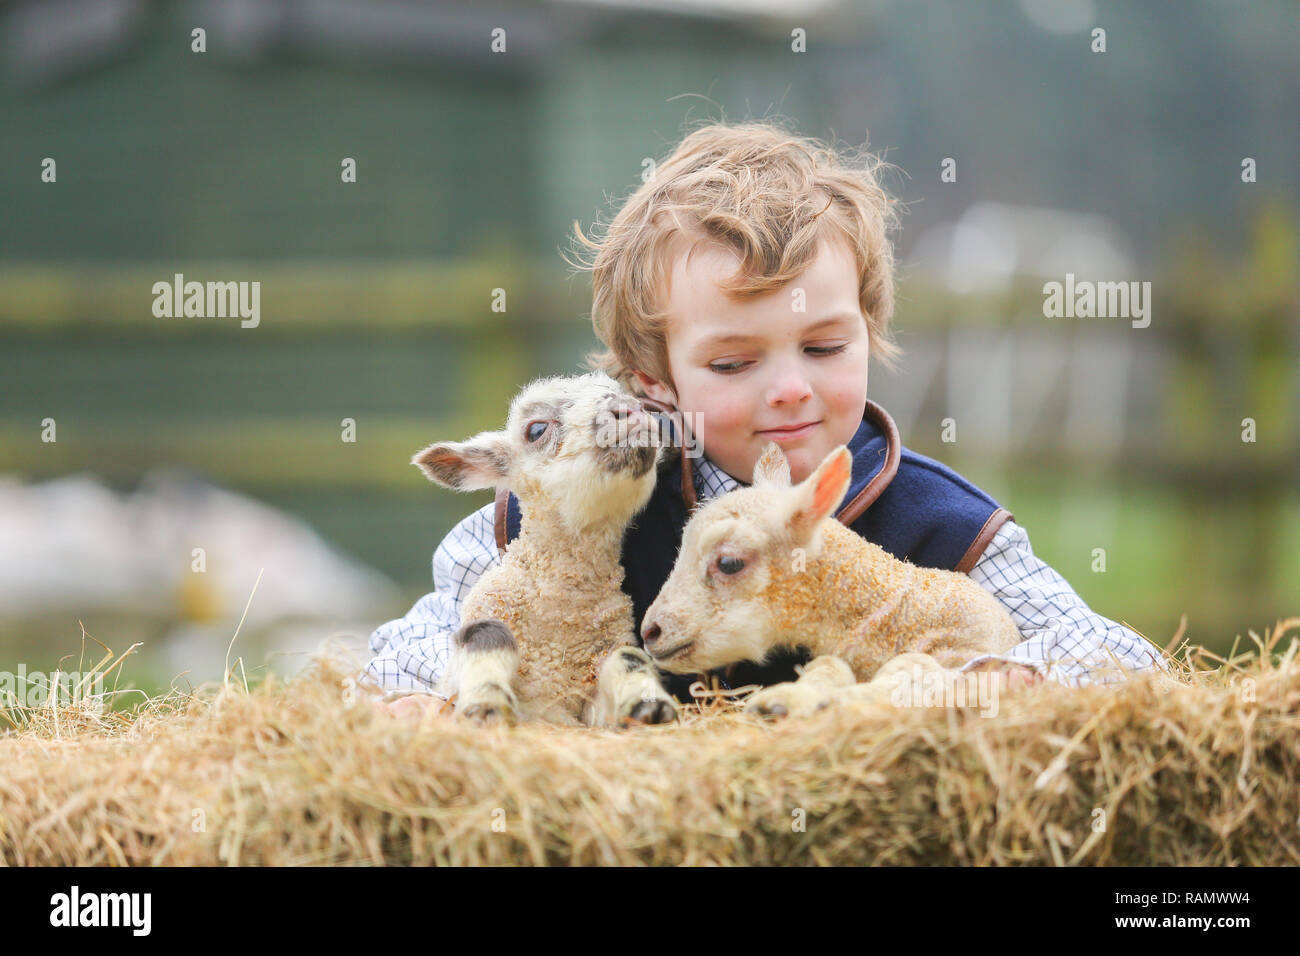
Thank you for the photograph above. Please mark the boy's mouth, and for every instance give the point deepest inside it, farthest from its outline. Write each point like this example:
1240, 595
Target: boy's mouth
789, 433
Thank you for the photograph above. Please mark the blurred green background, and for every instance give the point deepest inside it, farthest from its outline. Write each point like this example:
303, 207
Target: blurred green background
376, 301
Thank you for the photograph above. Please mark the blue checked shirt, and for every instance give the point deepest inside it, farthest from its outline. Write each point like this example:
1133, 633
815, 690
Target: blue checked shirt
1063, 638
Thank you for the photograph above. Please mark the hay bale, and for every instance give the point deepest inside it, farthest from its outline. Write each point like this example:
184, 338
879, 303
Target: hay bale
1199, 771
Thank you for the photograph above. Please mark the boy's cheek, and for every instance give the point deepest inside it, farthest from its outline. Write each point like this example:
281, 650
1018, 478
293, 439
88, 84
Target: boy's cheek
718, 423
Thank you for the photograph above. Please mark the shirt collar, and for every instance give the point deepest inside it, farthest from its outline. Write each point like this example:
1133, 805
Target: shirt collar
710, 480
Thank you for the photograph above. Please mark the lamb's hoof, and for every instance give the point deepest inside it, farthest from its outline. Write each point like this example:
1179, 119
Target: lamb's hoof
657, 711
487, 715
783, 700
489, 707
773, 709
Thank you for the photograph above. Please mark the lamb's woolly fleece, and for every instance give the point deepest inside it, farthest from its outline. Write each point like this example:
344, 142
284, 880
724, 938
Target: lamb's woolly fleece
882, 607
569, 589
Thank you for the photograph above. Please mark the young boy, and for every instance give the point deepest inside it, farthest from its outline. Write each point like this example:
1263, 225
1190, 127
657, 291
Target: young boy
745, 286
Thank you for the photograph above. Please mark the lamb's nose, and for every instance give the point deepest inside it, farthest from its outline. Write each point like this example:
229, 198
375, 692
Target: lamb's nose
649, 633
622, 408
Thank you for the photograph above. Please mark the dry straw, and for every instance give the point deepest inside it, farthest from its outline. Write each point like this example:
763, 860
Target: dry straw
1198, 771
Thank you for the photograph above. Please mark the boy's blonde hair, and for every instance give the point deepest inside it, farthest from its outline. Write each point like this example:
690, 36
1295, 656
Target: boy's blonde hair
768, 195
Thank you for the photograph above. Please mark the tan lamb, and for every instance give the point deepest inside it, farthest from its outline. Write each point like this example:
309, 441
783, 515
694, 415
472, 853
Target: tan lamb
767, 566
548, 634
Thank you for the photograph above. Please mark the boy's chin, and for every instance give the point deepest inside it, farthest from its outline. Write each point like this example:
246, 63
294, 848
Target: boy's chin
803, 462
804, 458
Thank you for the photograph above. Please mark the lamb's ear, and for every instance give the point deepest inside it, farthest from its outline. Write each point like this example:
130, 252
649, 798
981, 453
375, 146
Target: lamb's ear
479, 462
772, 467
817, 496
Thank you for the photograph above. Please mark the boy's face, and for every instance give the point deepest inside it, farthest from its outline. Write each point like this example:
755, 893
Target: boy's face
747, 369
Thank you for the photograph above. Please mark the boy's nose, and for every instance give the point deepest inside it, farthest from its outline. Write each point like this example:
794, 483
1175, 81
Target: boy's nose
790, 386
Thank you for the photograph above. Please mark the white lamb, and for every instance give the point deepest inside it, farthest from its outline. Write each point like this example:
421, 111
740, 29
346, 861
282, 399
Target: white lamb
766, 566
548, 634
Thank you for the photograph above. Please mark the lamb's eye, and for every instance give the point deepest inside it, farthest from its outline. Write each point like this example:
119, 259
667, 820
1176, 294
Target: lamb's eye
730, 565
535, 430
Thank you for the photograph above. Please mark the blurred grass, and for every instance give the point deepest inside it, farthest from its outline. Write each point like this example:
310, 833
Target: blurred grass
1151, 577
270, 453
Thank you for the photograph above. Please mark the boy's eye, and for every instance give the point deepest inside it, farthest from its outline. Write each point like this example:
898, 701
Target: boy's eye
725, 368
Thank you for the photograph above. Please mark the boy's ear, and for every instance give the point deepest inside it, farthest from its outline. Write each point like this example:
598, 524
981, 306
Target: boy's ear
479, 462
816, 497
657, 391
772, 467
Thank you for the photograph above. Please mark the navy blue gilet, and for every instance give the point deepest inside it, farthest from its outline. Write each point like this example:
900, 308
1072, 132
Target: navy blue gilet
914, 507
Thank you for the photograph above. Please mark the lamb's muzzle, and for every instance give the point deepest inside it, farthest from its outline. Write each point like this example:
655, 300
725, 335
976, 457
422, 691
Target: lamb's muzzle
626, 437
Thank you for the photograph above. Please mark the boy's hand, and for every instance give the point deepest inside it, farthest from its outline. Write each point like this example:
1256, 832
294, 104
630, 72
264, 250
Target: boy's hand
1011, 677
411, 707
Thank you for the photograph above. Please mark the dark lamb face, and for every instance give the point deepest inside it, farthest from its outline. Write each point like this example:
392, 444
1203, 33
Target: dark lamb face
625, 436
